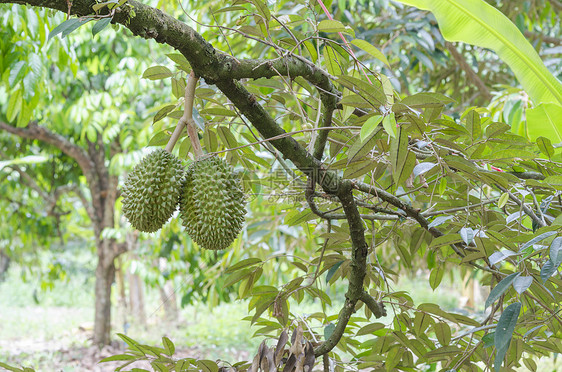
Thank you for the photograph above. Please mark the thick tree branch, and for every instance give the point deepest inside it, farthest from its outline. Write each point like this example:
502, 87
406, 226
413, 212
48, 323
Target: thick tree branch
34, 131
359, 252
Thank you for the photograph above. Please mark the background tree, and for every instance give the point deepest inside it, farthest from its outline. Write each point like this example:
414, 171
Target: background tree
83, 130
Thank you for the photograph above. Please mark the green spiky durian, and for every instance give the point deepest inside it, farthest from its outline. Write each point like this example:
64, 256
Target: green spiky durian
212, 204
152, 190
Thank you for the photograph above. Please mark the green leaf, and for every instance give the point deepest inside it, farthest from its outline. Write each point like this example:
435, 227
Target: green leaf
389, 124
422, 168
537, 239
504, 332
445, 240
367, 47
421, 322
398, 153
369, 127
263, 9
14, 105
544, 120
436, 276
503, 200
100, 25
180, 60
331, 61
359, 168
10, 368
17, 72
545, 146
467, 235
62, 27
207, 366
522, 283
157, 73
227, 138
119, 357
370, 329
478, 23
295, 217
163, 112
333, 270
168, 346
556, 251
372, 93
178, 87
98, 6
328, 330
361, 148
473, 125
160, 138
217, 111
547, 270
236, 277
129, 341
329, 25
443, 333
242, 264
74, 26
500, 289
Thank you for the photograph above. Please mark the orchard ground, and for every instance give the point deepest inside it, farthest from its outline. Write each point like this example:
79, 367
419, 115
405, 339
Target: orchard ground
50, 329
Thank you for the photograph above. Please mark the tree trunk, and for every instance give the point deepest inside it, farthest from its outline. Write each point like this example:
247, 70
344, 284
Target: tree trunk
105, 274
169, 300
136, 296
4, 264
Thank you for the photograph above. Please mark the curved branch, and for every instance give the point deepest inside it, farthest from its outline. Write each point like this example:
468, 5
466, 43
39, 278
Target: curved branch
357, 272
328, 107
34, 131
473, 76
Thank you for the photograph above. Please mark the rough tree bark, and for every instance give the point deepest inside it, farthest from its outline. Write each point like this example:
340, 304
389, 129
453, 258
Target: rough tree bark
100, 208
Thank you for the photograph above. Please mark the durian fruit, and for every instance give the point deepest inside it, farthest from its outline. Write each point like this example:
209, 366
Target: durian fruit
212, 204
152, 190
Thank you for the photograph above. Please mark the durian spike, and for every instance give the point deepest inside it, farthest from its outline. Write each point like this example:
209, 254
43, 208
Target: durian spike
187, 119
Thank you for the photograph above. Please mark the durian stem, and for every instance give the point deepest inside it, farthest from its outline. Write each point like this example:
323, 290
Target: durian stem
187, 119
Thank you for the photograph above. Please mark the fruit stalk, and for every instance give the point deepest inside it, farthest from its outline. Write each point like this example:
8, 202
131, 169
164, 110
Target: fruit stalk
187, 120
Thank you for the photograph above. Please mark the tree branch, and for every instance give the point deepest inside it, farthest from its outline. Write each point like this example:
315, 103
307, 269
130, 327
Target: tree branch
377, 308
36, 132
543, 38
556, 4
484, 91
328, 107
357, 271
525, 209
